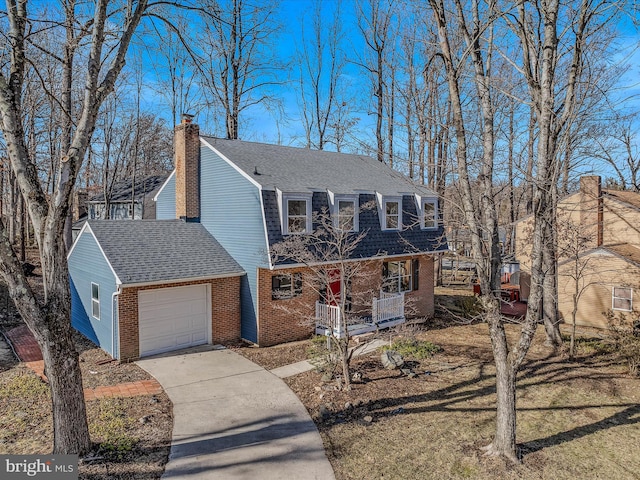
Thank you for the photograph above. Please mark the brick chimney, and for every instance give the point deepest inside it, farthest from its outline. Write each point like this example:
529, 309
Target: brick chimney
591, 208
186, 144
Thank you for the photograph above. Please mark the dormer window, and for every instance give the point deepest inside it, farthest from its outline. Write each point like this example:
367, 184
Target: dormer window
392, 213
429, 214
346, 215
344, 209
296, 214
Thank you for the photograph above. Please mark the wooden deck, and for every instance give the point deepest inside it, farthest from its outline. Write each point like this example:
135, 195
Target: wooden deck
513, 309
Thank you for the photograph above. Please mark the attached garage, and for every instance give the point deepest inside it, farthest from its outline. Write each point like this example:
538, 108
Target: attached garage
173, 318
146, 287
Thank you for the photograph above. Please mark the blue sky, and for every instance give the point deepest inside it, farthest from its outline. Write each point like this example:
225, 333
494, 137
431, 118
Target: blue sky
261, 125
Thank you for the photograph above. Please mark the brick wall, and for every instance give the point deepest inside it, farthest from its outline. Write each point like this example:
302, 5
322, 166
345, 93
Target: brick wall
284, 320
225, 313
187, 163
291, 319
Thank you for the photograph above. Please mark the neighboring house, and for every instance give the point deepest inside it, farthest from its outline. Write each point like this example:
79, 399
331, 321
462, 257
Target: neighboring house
146, 287
599, 245
121, 206
127, 201
250, 196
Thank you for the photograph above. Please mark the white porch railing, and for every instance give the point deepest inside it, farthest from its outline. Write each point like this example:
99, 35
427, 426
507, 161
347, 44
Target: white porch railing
329, 316
388, 308
385, 312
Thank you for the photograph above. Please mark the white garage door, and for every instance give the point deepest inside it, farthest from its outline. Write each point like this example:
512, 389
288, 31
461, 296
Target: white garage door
173, 318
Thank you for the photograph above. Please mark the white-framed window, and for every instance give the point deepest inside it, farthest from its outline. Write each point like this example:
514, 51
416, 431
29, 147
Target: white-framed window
400, 276
95, 301
622, 299
296, 213
345, 212
429, 214
392, 213
286, 285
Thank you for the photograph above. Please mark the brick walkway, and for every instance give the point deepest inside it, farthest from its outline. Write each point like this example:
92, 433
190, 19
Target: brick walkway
28, 351
131, 389
24, 344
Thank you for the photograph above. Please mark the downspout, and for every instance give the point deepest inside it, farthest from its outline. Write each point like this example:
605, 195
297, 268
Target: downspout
114, 322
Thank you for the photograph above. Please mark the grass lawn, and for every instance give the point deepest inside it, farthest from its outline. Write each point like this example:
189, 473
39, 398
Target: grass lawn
576, 420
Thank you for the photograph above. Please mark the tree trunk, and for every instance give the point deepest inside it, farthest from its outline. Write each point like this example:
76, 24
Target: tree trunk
574, 312
550, 269
61, 360
549, 296
504, 442
51, 327
63, 372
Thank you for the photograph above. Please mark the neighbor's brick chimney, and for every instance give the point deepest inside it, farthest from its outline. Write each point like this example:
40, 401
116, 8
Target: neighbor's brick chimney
186, 144
591, 208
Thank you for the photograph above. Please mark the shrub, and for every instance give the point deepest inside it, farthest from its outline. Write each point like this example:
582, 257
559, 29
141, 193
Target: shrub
590, 346
319, 355
413, 348
626, 338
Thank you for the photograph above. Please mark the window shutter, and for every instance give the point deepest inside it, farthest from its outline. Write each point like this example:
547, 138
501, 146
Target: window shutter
415, 274
297, 283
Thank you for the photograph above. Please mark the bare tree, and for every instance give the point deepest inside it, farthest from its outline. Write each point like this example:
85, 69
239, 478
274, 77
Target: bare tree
106, 35
175, 69
478, 197
321, 63
238, 62
619, 150
326, 254
577, 271
374, 22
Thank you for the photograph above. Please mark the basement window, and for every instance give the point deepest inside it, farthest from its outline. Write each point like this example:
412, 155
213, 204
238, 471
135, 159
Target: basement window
286, 286
95, 301
622, 299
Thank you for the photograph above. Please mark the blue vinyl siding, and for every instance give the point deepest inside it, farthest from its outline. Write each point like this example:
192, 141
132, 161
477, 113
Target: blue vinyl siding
87, 265
166, 202
231, 211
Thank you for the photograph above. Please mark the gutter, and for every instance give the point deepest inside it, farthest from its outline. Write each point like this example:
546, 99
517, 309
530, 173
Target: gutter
169, 281
114, 322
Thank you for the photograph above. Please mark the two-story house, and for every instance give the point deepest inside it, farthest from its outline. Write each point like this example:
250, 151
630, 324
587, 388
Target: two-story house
245, 198
599, 253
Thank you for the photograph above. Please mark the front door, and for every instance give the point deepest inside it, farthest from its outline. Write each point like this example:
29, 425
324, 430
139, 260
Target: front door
334, 289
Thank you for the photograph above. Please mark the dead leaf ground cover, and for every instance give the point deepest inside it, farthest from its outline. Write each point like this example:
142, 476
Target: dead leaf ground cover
131, 436
576, 419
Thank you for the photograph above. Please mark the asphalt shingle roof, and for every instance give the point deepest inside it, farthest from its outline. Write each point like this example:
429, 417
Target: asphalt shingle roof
143, 251
143, 187
299, 170
632, 198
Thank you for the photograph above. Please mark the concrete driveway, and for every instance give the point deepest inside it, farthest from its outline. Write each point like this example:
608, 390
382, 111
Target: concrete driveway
235, 420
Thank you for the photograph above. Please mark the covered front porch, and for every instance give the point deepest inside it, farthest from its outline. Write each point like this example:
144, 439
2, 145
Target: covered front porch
386, 311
